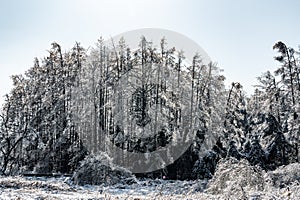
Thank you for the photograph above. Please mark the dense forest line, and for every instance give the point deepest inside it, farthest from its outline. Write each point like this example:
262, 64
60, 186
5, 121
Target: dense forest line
141, 100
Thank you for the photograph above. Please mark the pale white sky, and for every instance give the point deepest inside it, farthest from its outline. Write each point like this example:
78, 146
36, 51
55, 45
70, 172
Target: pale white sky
239, 35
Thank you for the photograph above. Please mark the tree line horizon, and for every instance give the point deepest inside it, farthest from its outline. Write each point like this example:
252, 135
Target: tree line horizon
144, 99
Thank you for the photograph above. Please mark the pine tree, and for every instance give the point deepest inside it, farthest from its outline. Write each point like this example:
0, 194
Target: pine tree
280, 152
232, 151
236, 123
205, 167
257, 155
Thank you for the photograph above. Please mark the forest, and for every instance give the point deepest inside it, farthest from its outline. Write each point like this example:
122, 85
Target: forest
91, 113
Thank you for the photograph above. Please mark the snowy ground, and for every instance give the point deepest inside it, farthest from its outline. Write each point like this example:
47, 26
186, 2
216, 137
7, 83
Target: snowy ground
28, 188
60, 188
232, 180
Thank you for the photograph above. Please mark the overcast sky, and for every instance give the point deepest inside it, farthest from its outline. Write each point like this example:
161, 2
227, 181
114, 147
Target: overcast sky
237, 34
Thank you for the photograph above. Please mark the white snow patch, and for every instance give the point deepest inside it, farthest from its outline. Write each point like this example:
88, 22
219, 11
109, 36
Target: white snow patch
233, 180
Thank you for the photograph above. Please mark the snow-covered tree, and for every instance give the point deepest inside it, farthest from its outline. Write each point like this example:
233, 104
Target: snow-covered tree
236, 123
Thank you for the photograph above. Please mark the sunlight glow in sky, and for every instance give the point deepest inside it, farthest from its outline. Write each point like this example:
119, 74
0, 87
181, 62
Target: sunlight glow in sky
236, 34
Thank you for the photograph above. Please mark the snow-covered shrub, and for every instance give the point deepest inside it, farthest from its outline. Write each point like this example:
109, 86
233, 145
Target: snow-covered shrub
284, 175
19, 182
233, 178
99, 169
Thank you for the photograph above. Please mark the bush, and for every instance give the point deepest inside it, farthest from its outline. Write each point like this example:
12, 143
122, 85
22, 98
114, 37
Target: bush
284, 175
232, 178
99, 169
